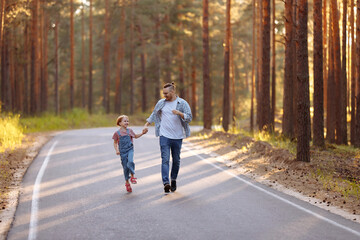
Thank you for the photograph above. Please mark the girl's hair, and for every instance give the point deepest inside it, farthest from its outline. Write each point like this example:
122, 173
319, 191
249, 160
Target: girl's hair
170, 85
119, 119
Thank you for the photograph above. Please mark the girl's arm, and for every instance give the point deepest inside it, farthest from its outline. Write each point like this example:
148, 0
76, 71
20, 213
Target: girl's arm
116, 148
140, 134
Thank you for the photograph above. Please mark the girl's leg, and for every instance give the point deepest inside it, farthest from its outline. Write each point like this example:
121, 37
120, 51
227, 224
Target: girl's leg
124, 161
131, 166
130, 162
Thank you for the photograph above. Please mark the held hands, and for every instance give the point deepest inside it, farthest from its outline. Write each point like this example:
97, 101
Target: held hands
145, 130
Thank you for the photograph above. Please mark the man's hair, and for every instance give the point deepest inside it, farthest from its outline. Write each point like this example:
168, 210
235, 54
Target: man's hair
170, 85
119, 119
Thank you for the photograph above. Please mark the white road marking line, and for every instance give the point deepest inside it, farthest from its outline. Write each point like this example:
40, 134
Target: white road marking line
274, 195
35, 196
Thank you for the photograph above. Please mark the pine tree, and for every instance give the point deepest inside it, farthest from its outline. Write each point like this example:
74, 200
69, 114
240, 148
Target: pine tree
303, 100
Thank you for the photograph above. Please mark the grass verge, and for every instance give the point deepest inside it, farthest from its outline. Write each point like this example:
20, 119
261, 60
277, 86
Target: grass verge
335, 168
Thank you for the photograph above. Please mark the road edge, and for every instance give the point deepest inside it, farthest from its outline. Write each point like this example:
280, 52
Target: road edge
276, 186
7, 215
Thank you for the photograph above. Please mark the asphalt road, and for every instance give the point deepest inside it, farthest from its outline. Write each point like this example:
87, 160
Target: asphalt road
75, 189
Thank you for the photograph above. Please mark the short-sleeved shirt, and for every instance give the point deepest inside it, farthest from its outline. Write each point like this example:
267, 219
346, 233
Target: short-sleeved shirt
170, 126
123, 133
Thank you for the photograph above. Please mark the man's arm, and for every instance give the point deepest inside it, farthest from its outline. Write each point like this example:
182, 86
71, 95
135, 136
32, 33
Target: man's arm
186, 116
152, 117
176, 112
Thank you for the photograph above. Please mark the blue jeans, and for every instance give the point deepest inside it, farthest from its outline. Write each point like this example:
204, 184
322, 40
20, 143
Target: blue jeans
127, 161
167, 144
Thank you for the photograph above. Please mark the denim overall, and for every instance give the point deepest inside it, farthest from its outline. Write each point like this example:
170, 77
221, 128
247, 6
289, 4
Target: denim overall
126, 149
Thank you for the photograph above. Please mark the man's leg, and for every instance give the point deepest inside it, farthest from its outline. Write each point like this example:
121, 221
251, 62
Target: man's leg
165, 157
175, 153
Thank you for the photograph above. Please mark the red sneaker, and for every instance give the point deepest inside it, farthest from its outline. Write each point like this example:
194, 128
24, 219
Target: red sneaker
128, 187
133, 180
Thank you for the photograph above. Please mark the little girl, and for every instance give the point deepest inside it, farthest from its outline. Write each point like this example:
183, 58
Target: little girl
123, 145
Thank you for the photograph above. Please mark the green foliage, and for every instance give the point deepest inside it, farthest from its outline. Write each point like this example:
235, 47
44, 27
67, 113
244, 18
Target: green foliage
11, 132
275, 139
77, 118
344, 150
345, 187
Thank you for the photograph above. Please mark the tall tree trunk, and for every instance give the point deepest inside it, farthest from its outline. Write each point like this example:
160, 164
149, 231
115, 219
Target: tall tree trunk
34, 80
120, 60
143, 70
303, 102
193, 78
18, 78
226, 93
348, 69
10, 62
56, 84
41, 54
337, 70
44, 89
181, 55
6, 59
259, 63
72, 54
2, 17
83, 85
181, 68
26, 68
90, 58
265, 69
318, 121
157, 62
132, 98
4, 75
343, 86
167, 51
357, 128
353, 77
325, 51
331, 105
206, 71
232, 76
294, 65
273, 70
253, 67
106, 71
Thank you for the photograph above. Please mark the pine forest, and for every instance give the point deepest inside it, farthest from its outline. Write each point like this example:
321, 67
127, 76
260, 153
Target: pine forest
291, 66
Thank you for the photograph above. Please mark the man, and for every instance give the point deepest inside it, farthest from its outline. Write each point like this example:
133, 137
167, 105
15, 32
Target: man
172, 116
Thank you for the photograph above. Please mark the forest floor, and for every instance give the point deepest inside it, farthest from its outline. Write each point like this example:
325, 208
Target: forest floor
331, 180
